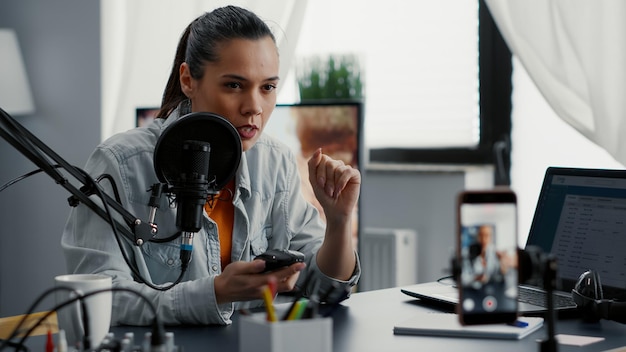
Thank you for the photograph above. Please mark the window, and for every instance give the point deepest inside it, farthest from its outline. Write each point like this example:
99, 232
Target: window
429, 96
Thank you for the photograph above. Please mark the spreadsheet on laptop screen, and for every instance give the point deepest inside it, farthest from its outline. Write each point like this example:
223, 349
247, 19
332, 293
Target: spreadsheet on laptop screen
583, 223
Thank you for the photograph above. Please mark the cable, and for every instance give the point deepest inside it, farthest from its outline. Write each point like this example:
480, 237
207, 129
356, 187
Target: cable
98, 190
16, 346
20, 178
109, 178
441, 279
158, 331
118, 239
32, 308
33, 148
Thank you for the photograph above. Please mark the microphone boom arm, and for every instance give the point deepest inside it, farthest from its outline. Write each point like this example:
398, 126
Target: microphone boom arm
39, 153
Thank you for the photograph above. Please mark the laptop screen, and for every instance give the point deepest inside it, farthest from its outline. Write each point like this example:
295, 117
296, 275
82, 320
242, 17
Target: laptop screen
581, 219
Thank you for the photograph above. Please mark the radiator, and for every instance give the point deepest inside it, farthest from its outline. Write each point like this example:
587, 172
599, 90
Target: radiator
388, 258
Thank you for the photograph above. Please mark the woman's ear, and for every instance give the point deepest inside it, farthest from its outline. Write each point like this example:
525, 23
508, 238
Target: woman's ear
186, 82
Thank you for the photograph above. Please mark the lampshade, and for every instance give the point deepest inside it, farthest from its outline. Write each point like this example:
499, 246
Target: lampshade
15, 97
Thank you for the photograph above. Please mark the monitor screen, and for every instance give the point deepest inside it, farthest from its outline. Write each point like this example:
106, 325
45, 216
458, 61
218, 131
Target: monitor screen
336, 127
145, 115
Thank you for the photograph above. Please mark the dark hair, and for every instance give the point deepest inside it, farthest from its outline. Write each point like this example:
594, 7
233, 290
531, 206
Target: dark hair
200, 43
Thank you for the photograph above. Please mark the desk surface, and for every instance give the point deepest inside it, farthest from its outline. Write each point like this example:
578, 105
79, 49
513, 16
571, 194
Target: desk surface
365, 322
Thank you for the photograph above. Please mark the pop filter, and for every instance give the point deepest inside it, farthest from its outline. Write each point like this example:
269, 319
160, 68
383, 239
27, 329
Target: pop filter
222, 136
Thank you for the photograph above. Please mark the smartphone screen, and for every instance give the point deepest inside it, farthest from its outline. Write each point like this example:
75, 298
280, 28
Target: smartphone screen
487, 256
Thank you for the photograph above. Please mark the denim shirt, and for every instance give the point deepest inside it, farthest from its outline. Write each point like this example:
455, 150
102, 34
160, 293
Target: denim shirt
270, 212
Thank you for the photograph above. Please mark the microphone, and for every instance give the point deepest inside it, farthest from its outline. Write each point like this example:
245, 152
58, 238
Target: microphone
225, 149
191, 190
192, 185
197, 155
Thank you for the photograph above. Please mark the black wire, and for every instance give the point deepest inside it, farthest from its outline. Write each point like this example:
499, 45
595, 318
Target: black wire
20, 138
40, 154
15, 345
440, 280
134, 270
20, 178
157, 326
32, 308
34, 149
98, 190
108, 177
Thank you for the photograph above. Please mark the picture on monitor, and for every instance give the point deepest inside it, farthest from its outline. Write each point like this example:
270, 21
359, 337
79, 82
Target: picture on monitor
145, 115
336, 127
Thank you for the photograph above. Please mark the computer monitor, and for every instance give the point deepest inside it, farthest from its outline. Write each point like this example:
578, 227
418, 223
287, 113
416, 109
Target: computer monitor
145, 115
334, 126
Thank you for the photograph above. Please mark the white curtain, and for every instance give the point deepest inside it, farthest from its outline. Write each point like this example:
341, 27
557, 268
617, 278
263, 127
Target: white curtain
575, 53
139, 40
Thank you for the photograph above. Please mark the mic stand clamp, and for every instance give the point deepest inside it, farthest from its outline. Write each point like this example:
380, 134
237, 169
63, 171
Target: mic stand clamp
143, 231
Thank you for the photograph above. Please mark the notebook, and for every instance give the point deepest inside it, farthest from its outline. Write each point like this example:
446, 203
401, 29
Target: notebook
445, 324
580, 217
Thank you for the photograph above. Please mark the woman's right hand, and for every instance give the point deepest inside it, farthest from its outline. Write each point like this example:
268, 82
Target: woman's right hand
245, 281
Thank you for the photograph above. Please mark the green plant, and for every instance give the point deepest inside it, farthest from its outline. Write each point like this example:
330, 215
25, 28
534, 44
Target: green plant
335, 77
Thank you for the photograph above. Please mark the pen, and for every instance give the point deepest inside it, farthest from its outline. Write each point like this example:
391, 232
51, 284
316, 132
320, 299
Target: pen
519, 324
268, 298
296, 312
300, 294
49, 341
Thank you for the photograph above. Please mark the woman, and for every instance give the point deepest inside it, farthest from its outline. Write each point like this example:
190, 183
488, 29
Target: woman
226, 63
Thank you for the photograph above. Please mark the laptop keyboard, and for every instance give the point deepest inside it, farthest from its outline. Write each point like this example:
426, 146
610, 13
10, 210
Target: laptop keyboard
538, 298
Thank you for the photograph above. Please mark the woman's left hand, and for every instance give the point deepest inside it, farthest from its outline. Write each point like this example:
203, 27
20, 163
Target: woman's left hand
336, 185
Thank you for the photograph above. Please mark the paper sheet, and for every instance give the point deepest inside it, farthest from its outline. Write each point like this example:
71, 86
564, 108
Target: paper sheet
577, 340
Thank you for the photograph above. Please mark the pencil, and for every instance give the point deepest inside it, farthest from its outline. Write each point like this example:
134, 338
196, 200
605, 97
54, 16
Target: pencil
299, 294
268, 298
301, 309
297, 311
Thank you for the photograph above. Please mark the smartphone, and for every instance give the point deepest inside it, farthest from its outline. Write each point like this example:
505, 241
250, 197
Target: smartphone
279, 258
486, 254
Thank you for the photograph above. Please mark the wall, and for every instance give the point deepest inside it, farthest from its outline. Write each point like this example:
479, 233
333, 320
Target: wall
60, 42
419, 200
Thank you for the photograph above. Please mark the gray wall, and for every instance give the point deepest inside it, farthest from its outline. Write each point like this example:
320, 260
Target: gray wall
60, 42
423, 201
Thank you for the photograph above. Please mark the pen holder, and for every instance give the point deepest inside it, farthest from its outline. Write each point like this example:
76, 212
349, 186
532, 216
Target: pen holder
304, 335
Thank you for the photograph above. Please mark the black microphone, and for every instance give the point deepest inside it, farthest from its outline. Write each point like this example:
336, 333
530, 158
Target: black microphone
196, 156
191, 190
191, 187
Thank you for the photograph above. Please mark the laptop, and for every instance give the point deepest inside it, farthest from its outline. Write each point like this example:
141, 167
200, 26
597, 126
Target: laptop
580, 218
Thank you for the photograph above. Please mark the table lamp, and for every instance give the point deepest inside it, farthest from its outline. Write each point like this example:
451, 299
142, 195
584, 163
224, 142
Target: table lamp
15, 96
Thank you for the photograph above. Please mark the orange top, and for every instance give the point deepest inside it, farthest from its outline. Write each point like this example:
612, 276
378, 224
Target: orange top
222, 211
